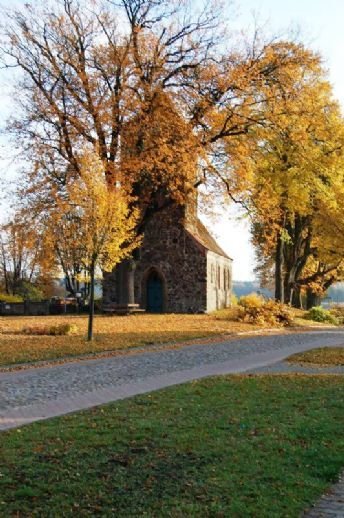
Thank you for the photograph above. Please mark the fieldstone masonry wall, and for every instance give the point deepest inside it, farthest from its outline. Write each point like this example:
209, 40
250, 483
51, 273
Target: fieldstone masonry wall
178, 259
183, 264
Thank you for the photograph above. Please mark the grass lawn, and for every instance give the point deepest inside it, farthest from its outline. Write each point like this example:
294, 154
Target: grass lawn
111, 333
323, 357
238, 446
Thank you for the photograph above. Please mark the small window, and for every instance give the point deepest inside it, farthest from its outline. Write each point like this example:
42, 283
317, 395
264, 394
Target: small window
212, 274
227, 278
218, 277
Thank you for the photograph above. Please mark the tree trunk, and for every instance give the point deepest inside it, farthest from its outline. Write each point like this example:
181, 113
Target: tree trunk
69, 285
91, 308
279, 281
296, 298
312, 299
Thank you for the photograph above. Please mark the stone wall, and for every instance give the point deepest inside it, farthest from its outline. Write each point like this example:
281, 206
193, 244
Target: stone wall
194, 279
179, 261
28, 307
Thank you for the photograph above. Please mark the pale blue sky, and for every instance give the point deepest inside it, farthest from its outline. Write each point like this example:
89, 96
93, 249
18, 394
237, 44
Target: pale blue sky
321, 24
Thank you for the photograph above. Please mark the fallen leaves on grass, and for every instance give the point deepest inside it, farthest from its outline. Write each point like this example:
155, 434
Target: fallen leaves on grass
324, 356
112, 333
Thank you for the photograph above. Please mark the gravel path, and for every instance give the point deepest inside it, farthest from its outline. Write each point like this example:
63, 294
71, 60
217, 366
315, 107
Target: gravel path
330, 505
61, 381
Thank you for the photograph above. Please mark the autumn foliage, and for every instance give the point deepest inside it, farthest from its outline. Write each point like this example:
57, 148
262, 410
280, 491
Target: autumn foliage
93, 220
165, 100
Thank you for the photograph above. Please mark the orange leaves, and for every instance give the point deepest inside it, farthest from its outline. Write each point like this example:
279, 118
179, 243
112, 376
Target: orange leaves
159, 151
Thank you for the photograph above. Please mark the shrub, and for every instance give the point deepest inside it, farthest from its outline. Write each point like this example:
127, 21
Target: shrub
29, 291
4, 297
253, 309
338, 313
260, 312
319, 314
251, 301
279, 312
59, 330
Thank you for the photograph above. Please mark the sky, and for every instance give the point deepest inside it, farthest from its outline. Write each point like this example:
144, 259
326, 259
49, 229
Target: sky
321, 27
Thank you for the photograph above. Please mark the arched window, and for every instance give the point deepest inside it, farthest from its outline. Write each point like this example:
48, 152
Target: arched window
218, 276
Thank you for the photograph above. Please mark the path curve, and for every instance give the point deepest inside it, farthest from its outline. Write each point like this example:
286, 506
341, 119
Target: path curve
40, 393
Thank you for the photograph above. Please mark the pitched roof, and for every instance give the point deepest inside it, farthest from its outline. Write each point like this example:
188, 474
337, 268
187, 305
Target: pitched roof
200, 233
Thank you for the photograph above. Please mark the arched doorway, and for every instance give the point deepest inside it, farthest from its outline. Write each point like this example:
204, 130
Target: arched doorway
155, 293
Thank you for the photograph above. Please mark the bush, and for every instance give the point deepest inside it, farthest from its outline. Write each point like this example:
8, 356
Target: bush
253, 309
251, 301
4, 297
319, 314
59, 330
29, 291
338, 313
280, 313
258, 311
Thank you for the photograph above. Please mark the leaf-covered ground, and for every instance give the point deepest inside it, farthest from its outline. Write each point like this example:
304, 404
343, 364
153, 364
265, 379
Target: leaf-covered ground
324, 356
111, 333
236, 446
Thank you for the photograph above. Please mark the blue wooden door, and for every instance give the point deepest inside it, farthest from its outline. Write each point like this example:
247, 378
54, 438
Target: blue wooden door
154, 294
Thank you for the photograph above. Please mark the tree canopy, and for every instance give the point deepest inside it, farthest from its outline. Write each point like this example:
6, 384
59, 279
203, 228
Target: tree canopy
162, 75
166, 100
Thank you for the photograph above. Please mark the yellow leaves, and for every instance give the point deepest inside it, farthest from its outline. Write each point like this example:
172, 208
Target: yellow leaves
94, 219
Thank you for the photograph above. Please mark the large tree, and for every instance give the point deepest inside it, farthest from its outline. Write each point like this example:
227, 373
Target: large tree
155, 78
157, 90
296, 186
20, 249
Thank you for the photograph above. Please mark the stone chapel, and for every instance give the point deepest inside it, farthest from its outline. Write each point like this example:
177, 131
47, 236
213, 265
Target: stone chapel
179, 268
